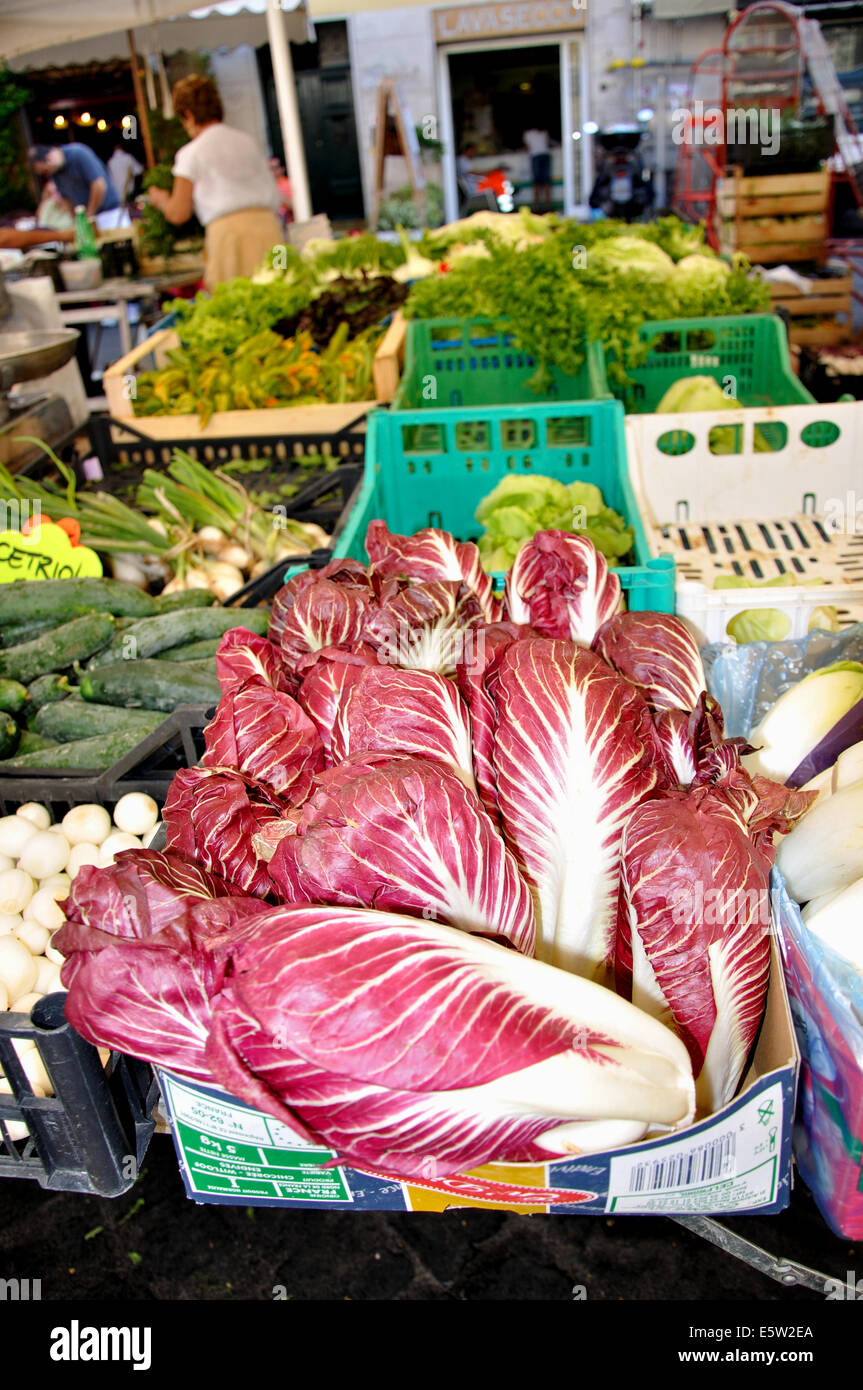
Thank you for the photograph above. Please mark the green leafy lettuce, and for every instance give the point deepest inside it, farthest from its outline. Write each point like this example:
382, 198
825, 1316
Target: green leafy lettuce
523, 504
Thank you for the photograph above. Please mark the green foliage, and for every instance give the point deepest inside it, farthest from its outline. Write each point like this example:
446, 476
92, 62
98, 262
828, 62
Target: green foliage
158, 235
235, 312
556, 296
15, 190
399, 210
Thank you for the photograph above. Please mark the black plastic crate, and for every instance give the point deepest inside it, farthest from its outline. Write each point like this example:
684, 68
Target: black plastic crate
320, 496
150, 767
93, 1133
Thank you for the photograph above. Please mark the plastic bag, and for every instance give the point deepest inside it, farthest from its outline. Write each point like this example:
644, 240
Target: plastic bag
825, 991
748, 679
826, 995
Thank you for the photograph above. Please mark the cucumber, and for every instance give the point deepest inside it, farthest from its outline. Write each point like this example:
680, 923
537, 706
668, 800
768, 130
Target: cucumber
77, 719
55, 651
62, 599
44, 690
32, 743
15, 633
193, 651
153, 635
152, 685
94, 754
13, 696
9, 735
185, 598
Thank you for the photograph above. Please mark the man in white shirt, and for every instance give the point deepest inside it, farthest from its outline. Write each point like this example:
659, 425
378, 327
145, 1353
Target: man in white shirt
225, 179
124, 169
538, 144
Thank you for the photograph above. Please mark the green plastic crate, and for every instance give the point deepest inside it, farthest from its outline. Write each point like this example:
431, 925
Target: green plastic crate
470, 362
426, 469
750, 348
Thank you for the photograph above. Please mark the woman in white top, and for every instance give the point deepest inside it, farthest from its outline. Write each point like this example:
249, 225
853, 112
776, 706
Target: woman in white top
225, 179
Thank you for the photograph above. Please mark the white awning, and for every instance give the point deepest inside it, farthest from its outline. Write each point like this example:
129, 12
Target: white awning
55, 33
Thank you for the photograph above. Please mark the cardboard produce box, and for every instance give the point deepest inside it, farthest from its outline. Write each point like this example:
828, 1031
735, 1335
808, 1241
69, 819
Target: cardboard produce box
738, 1161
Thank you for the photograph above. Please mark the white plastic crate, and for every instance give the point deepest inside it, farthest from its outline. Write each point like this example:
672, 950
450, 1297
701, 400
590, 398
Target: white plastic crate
790, 510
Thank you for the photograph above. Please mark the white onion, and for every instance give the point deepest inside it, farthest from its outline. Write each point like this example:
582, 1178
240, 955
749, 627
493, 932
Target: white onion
6, 863
34, 1070
36, 814
88, 824
15, 831
34, 936
47, 853
10, 922
43, 909
48, 977
82, 854
114, 844
57, 885
136, 813
18, 969
4, 998
16, 890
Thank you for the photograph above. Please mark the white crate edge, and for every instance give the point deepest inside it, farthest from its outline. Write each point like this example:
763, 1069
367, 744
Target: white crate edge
747, 485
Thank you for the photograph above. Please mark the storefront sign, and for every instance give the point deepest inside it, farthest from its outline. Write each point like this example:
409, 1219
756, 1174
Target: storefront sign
499, 21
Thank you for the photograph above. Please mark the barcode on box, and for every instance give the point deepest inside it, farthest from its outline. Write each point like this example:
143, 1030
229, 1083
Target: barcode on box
707, 1163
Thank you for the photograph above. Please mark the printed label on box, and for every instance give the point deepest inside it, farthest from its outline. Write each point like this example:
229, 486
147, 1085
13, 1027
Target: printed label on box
734, 1167
230, 1151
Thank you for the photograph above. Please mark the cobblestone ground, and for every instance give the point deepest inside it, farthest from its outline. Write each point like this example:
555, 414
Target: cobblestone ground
153, 1243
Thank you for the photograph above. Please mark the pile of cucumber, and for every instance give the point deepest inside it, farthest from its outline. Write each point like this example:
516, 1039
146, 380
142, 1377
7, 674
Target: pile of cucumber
90, 667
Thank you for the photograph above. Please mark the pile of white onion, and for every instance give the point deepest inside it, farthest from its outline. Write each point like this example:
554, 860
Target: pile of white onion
38, 861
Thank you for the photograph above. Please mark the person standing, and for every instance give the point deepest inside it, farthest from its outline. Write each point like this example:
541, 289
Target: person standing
81, 179
538, 146
225, 179
124, 168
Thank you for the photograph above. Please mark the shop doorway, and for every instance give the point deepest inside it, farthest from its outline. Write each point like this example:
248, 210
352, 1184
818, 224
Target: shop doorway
499, 95
501, 103
326, 104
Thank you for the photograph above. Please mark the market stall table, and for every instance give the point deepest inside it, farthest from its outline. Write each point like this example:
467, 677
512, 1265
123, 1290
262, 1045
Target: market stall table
112, 298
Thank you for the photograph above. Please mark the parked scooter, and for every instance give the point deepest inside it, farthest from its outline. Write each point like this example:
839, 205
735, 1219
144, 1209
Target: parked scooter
623, 188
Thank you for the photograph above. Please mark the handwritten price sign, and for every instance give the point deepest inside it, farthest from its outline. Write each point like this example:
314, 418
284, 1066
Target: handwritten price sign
46, 551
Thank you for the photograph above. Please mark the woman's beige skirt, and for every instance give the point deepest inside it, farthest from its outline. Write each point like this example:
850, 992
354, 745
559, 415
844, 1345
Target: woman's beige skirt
237, 243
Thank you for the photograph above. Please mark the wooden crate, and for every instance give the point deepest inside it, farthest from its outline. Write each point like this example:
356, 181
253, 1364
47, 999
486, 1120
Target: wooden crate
829, 301
775, 218
390, 358
277, 420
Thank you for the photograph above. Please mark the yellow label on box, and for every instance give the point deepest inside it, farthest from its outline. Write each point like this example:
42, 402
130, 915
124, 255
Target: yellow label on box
47, 551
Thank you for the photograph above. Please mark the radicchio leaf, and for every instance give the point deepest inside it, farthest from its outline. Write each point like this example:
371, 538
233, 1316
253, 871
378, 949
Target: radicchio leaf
428, 555
427, 627
146, 944
694, 931
474, 674
574, 754
325, 685
264, 734
560, 584
243, 656
319, 609
407, 836
423, 1051
211, 816
659, 656
409, 712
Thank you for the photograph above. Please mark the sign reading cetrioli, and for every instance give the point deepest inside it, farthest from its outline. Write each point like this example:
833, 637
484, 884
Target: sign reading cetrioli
491, 21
